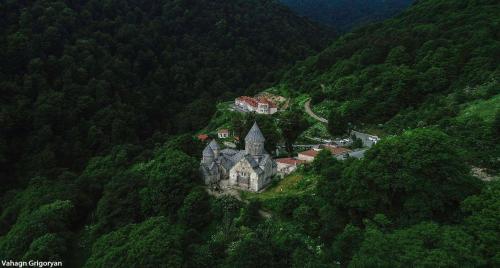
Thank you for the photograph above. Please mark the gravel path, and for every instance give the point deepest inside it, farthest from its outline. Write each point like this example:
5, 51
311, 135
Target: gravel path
307, 107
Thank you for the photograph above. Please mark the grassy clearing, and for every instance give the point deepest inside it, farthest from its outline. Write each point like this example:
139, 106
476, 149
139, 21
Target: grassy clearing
484, 109
317, 129
323, 109
221, 118
293, 184
284, 194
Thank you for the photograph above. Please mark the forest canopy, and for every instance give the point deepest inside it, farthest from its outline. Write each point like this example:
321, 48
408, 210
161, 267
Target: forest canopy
79, 77
100, 168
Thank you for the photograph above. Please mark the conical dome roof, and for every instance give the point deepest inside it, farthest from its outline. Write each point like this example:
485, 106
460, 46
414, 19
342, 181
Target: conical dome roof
208, 151
255, 135
214, 145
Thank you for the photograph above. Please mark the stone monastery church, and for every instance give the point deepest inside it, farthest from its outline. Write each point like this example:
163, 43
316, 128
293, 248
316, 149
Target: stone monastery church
250, 169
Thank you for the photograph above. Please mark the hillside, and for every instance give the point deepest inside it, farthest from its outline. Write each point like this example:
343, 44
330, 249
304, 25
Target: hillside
347, 14
99, 168
427, 67
79, 77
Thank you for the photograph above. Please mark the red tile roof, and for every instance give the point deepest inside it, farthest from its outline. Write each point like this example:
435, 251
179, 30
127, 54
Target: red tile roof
254, 102
290, 161
266, 101
334, 150
249, 100
337, 150
312, 153
202, 137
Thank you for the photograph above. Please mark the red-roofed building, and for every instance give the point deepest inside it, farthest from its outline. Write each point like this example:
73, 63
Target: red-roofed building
259, 105
308, 155
202, 137
337, 152
288, 165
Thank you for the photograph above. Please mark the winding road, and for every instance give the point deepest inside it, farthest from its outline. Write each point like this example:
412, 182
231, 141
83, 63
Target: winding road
307, 107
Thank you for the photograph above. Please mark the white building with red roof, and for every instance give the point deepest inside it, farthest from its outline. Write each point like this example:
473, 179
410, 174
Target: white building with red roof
288, 165
260, 105
337, 152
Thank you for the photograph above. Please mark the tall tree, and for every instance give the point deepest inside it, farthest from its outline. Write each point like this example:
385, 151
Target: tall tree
292, 123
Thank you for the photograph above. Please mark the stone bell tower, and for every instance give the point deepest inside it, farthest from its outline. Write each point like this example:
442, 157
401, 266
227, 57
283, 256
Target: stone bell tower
254, 141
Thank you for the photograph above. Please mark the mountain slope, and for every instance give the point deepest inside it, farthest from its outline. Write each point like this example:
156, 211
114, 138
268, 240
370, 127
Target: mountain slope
416, 70
78, 77
346, 14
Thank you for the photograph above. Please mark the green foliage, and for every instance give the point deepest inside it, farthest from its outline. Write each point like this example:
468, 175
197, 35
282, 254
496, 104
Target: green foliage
47, 247
337, 123
74, 107
152, 243
249, 215
422, 245
417, 176
40, 191
292, 123
29, 233
323, 161
170, 175
429, 65
195, 210
484, 210
120, 203
226, 207
78, 78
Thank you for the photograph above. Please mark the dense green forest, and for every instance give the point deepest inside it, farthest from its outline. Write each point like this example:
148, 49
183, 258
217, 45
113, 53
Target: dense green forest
100, 169
435, 65
79, 77
347, 14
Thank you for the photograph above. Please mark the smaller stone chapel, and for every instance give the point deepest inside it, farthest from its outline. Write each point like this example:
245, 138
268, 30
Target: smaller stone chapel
251, 169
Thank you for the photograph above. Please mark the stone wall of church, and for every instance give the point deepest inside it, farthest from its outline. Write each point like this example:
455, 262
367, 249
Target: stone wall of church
243, 170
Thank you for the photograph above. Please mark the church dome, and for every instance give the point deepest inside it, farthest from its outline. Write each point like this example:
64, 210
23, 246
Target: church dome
208, 151
255, 135
214, 145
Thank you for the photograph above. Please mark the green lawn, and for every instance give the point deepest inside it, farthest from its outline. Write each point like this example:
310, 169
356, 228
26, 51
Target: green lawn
484, 109
293, 184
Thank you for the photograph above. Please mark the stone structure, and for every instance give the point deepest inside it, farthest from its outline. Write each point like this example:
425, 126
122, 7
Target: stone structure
250, 169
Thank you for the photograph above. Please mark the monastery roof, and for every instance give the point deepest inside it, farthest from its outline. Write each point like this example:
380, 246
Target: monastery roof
229, 151
214, 145
255, 135
208, 151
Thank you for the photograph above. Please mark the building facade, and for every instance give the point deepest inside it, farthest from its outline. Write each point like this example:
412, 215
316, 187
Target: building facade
260, 105
223, 133
288, 165
251, 169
